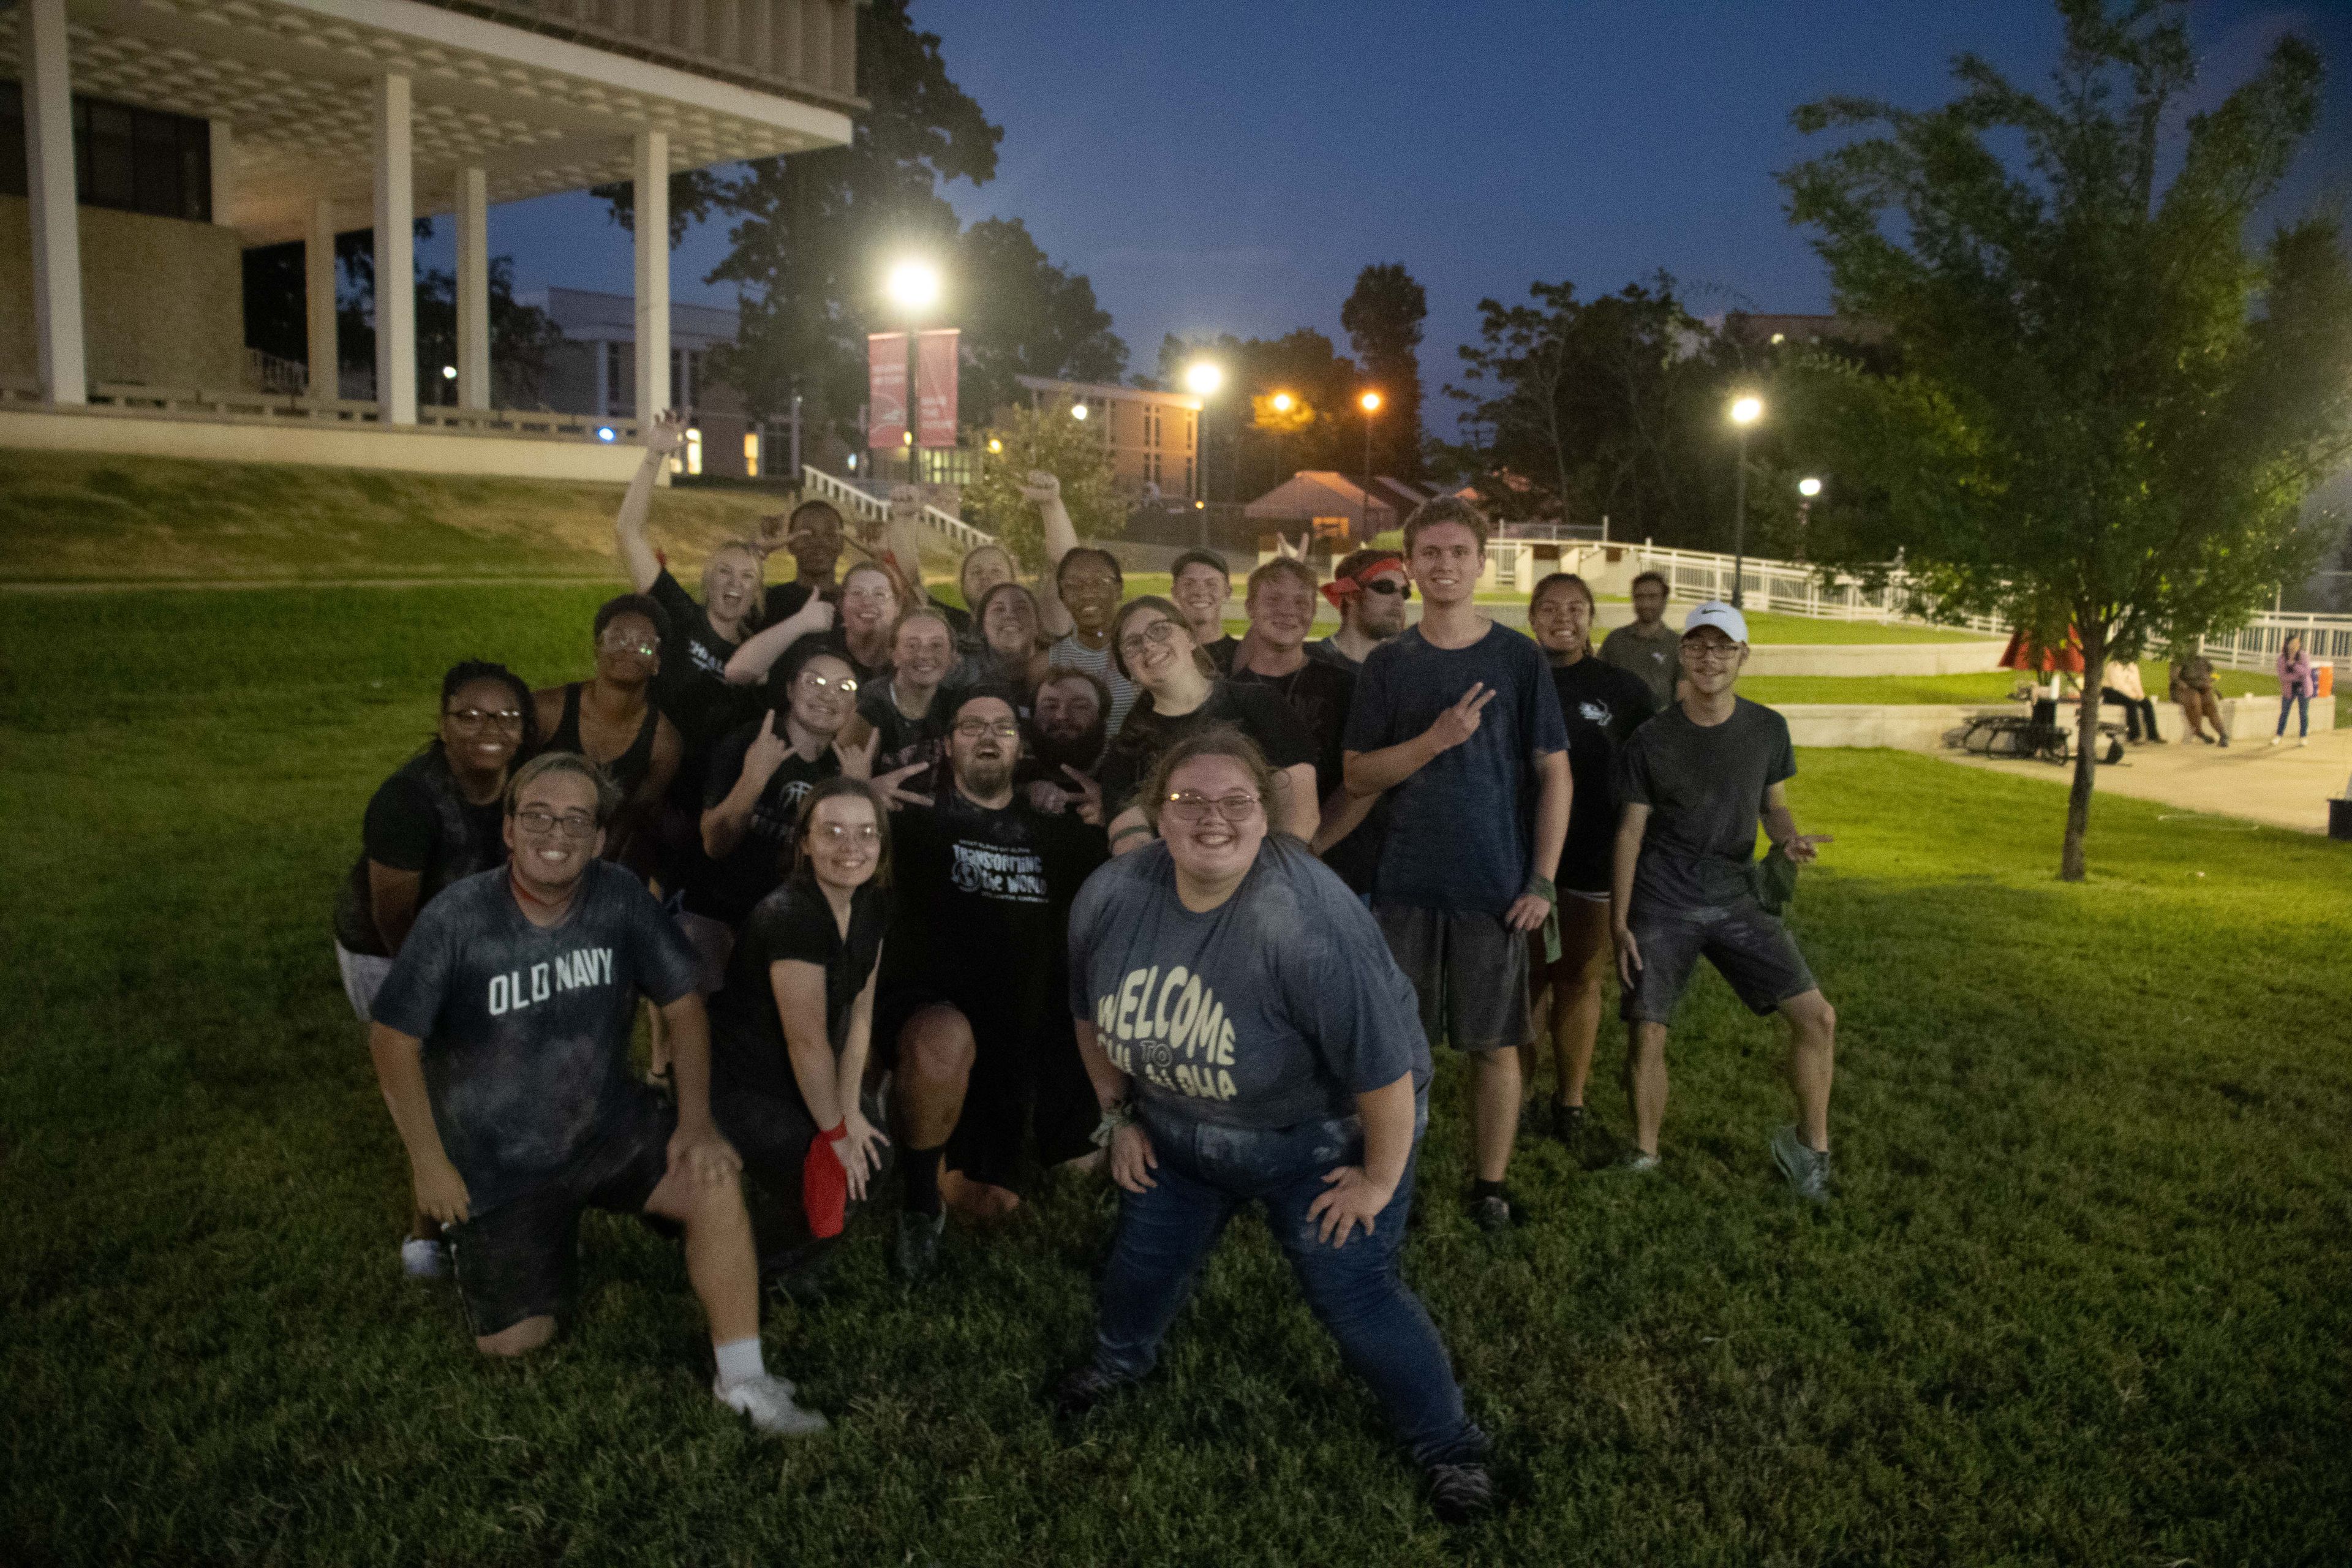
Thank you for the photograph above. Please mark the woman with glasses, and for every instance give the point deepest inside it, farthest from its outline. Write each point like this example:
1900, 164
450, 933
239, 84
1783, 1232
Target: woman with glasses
440, 817
1182, 694
901, 722
612, 721
790, 1029
861, 633
1250, 1042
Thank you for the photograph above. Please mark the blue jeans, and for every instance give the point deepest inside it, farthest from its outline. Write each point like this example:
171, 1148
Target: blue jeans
2290, 703
1205, 1173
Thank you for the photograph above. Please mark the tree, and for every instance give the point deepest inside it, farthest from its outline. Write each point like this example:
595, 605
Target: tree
2110, 405
1022, 315
1069, 448
1248, 457
1382, 317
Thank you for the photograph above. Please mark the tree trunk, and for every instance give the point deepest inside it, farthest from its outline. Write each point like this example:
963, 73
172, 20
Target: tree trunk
2071, 867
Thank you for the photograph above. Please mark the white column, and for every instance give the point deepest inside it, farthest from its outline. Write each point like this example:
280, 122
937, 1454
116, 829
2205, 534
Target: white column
473, 289
319, 298
395, 253
57, 231
224, 162
653, 273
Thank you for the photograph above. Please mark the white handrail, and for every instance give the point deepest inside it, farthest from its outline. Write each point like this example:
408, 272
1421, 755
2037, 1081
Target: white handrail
859, 503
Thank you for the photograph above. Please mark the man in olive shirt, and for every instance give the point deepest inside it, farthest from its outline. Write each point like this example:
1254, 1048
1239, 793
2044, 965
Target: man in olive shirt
1648, 648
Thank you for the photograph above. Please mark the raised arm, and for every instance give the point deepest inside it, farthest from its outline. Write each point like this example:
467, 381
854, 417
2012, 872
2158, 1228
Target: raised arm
663, 437
750, 664
1044, 492
1370, 773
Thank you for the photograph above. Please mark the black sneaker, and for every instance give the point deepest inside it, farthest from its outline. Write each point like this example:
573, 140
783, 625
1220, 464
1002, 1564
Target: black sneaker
1496, 1213
916, 1254
1082, 1390
1568, 1127
1460, 1493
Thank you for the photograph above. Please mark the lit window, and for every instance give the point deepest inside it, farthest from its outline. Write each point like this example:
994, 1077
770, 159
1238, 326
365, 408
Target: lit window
694, 451
750, 454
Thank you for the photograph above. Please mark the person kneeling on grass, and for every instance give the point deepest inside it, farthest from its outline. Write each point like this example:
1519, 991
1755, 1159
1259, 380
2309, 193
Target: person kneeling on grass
1231, 983
1694, 780
501, 1038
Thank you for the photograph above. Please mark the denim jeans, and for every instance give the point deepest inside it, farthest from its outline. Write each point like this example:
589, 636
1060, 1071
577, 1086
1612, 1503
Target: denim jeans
2295, 702
1205, 1173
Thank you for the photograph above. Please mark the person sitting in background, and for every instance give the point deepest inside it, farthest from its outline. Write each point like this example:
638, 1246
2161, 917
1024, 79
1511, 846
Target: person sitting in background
1281, 598
1200, 581
2298, 684
792, 1027
1087, 588
1648, 647
1250, 1042
2193, 687
903, 717
1370, 589
437, 820
868, 610
2121, 685
1013, 651
612, 720
1182, 695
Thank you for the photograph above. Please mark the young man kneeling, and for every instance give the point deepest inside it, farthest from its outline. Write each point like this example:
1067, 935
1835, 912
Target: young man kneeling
501, 1037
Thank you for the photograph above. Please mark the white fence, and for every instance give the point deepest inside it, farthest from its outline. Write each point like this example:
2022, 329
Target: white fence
855, 502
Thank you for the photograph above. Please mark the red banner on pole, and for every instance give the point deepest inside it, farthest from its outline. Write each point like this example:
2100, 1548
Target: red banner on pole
935, 387
886, 389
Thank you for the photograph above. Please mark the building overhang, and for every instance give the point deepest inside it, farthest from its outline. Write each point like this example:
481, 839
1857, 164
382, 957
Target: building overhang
290, 79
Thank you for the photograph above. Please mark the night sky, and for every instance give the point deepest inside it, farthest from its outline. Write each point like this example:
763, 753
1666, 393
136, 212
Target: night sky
1229, 167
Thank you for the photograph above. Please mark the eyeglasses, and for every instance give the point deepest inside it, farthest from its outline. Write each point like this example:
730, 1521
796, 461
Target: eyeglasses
973, 729
875, 596
837, 833
625, 642
1385, 586
482, 718
1156, 632
1711, 653
575, 823
1187, 807
846, 685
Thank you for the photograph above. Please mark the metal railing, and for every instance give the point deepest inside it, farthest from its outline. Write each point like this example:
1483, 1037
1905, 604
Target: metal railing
855, 503
273, 373
243, 407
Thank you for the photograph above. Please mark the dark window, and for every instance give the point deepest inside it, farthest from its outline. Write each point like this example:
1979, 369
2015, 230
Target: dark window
138, 160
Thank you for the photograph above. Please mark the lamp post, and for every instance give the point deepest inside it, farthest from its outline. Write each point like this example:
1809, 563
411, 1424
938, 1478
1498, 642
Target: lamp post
1745, 411
1203, 378
1807, 488
913, 286
1370, 404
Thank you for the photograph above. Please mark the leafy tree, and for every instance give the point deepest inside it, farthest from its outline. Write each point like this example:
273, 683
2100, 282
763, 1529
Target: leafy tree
1382, 317
2110, 405
1248, 455
1070, 449
1022, 315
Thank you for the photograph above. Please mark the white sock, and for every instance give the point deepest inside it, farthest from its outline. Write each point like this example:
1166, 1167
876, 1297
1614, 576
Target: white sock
740, 1362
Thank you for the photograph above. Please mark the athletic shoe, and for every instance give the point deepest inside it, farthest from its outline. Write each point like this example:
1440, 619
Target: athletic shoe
1568, 1126
767, 1401
2304, 742
424, 1260
1632, 1163
1460, 1493
1082, 1390
1807, 1168
916, 1254
2225, 738
1496, 1213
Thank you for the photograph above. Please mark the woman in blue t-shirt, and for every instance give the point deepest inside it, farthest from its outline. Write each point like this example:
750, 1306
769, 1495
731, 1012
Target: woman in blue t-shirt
1251, 1042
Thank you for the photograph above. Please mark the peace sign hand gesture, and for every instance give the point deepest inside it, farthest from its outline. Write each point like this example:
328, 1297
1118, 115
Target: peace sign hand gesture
1459, 723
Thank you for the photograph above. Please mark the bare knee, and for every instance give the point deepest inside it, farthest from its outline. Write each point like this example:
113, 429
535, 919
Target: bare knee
1812, 1015
518, 1338
1649, 1042
938, 1043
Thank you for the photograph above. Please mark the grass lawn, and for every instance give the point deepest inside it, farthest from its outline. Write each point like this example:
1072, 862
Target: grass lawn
2080, 1300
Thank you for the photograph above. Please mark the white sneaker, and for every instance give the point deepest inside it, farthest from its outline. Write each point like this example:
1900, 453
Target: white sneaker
423, 1260
2304, 742
767, 1400
2275, 739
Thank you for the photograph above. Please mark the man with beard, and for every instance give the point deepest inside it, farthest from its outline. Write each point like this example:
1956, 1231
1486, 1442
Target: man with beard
1066, 735
968, 1008
1648, 647
1369, 590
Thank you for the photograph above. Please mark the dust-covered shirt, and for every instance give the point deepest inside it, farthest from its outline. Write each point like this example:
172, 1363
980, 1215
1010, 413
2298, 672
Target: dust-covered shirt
1280, 1005
1704, 785
526, 1028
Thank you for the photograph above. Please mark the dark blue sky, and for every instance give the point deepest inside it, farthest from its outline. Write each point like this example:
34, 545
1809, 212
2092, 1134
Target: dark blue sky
1230, 167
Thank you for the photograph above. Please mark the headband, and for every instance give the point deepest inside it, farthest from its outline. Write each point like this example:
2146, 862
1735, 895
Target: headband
1339, 590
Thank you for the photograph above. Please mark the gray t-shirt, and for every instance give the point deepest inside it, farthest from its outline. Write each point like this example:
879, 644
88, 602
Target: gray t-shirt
526, 1028
1095, 661
1705, 786
1280, 1005
1656, 657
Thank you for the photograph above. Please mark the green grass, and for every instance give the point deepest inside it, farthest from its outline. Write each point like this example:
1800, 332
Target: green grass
2080, 1300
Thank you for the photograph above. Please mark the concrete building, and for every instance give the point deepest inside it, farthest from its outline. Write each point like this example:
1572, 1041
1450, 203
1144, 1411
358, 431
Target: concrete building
159, 137
1154, 438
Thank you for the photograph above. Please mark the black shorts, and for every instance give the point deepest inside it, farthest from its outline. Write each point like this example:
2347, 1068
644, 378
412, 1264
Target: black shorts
1470, 973
1022, 1071
1750, 947
515, 1261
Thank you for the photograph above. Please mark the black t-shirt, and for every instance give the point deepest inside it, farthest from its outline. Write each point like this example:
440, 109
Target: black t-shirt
692, 689
904, 740
1602, 704
747, 1031
419, 821
726, 888
1318, 693
983, 905
1257, 713
1221, 652
1705, 786
965, 625
526, 1028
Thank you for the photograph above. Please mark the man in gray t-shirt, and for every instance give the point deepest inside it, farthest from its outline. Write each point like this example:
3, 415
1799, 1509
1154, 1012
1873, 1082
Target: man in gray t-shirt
1693, 783
1648, 647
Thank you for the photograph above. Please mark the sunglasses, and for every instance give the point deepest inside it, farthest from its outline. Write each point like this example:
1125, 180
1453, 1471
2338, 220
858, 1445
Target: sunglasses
1385, 586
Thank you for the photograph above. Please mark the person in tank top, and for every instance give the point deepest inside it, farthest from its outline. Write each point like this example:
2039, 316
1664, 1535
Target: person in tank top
613, 722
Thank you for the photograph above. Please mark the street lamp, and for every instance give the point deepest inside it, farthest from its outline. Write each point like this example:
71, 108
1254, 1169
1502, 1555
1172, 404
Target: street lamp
1746, 410
1284, 403
1203, 378
1370, 404
913, 286
1079, 412
1807, 487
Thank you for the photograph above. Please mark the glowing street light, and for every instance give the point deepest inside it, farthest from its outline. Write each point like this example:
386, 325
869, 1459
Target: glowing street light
1079, 412
1370, 404
1284, 403
1808, 487
913, 284
1204, 377
995, 446
1746, 410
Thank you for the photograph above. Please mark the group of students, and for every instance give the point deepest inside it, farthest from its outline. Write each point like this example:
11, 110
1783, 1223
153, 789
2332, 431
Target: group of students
919, 894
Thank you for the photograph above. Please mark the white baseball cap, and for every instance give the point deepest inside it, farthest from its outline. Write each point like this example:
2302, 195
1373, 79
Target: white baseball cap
1721, 617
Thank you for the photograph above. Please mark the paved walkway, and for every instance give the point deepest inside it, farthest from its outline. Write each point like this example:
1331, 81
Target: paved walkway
2285, 785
